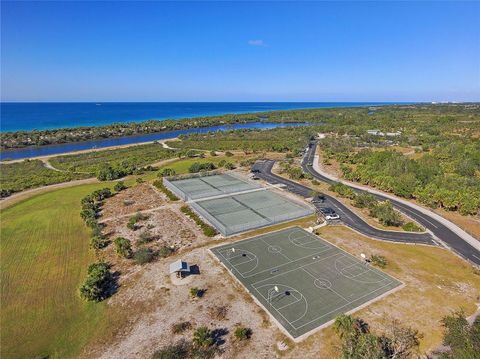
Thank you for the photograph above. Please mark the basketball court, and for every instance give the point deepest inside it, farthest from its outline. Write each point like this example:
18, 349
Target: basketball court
303, 281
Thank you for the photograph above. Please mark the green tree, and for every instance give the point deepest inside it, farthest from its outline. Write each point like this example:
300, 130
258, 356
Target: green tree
462, 339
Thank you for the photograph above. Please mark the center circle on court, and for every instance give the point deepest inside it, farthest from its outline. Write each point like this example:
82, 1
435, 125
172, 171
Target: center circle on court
274, 249
322, 283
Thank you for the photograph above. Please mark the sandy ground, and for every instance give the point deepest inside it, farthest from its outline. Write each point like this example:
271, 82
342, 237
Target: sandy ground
173, 304
154, 304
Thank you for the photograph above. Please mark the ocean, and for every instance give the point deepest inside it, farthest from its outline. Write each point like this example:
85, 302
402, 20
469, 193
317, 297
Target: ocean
27, 116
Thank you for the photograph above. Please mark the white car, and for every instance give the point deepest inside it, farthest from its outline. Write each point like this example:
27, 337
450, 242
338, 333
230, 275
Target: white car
332, 216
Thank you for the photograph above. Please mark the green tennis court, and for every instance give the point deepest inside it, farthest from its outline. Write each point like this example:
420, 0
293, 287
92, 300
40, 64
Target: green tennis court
198, 187
303, 281
233, 204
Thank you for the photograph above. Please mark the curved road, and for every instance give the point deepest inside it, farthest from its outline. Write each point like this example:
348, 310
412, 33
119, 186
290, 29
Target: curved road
446, 235
347, 217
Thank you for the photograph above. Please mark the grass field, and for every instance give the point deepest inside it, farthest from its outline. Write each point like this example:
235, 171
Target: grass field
45, 254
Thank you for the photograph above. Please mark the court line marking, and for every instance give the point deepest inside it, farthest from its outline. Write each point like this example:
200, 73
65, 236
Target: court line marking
235, 267
280, 252
334, 291
383, 277
287, 286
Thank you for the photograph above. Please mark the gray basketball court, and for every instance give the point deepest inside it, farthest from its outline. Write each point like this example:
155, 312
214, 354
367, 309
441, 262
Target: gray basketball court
303, 281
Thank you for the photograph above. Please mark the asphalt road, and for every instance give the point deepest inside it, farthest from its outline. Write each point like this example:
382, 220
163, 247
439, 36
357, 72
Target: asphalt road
447, 236
347, 217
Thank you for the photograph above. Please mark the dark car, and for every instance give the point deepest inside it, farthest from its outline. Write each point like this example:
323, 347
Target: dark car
326, 210
254, 170
318, 198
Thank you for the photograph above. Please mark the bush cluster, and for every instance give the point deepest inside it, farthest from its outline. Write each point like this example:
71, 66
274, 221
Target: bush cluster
120, 186
208, 230
378, 260
98, 282
411, 227
197, 167
383, 211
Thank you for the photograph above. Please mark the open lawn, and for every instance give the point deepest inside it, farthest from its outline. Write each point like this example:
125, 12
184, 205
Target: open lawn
44, 257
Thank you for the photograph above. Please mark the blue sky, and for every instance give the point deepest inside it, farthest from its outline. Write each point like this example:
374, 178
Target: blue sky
228, 51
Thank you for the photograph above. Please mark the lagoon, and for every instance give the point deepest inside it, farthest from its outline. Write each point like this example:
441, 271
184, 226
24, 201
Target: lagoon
30, 152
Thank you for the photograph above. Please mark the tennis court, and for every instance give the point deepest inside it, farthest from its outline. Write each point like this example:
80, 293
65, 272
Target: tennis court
198, 187
233, 204
303, 281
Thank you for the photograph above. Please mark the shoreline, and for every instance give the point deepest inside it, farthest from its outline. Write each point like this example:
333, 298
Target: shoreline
47, 157
28, 152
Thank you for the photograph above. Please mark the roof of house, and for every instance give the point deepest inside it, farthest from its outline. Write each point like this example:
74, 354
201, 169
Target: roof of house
179, 266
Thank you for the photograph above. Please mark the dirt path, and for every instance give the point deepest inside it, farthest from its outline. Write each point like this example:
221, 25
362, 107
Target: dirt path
48, 165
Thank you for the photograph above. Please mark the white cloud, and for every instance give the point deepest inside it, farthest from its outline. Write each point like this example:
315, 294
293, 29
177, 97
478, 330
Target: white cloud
256, 43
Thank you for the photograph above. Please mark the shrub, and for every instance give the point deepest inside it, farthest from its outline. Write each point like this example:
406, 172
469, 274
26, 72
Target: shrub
165, 251
197, 292
123, 247
145, 237
143, 256
166, 172
315, 182
128, 202
386, 214
209, 231
228, 154
96, 285
364, 200
120, 186
202, 337
98, 241
179, 350
139, 180
229, 166
181, 327
213, 153
411, 227
159, 185
242, 333
379, 261
342, 190
197, 167
132, 223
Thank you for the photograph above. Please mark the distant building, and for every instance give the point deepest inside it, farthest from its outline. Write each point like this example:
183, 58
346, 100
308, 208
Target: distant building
380, 133
393, 134
375, 132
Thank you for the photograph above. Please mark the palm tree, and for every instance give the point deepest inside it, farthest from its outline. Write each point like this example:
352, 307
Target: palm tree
344, 325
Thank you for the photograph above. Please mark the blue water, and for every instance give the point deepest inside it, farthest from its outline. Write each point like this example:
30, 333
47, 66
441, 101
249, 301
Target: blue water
78, 146
16, 116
